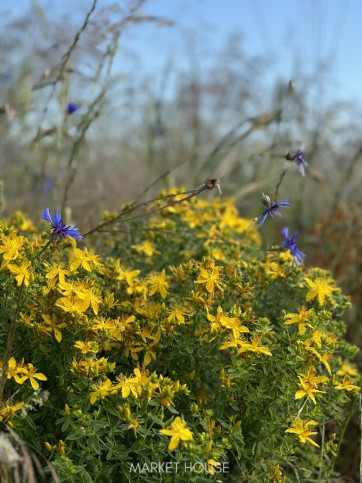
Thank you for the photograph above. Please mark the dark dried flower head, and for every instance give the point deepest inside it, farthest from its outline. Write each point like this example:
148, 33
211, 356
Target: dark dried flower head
291, 245
299, 157
59, 229
272, 208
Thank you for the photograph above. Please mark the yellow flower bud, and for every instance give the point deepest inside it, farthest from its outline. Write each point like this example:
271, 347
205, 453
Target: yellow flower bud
67, 409
208, 446
127, 414
237, 425
48, 446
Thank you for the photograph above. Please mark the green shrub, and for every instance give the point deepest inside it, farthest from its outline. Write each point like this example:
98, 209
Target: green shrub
187, 347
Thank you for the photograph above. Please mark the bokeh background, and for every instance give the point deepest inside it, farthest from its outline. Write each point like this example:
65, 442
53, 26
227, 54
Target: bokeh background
171, 92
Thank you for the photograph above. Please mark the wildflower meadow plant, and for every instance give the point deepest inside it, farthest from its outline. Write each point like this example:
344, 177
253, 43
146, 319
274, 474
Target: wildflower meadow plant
271, 208
59, 229
292, 246
117, 367
299, 157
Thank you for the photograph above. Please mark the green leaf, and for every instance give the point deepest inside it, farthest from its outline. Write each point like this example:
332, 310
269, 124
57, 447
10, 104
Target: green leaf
94, 443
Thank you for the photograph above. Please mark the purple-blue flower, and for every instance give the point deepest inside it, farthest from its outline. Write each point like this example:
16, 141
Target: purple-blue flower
271, 208
299, 157
71, 108
291, 245
60, 229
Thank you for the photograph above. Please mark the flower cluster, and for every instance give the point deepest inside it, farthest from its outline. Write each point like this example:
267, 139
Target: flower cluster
174, 351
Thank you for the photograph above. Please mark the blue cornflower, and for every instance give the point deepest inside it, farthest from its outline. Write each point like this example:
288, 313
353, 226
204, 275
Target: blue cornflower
71, 108
271, 207
60, 230
291, 245
299, 157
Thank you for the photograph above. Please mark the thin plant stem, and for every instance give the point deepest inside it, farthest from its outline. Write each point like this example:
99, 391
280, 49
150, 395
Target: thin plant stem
43, 249
278, 185
301, 409
341, 435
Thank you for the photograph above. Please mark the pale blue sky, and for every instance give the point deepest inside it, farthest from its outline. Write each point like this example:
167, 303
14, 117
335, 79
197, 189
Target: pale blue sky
313, 30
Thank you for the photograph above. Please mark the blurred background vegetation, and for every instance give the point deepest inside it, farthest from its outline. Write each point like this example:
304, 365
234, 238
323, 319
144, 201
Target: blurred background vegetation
212, 112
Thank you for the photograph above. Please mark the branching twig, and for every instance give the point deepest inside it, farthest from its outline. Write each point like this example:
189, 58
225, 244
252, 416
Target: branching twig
208, 185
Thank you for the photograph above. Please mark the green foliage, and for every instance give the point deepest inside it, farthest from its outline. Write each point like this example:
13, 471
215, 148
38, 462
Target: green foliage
184, 344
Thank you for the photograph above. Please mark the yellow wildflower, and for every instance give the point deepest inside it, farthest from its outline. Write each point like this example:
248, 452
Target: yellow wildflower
234, 324
21, 272
254, 347
308, 384
13, 368
128, 385
216, 320
133, 349
158, 283
276, 476
324, 360
54, 326
127, 275
311, 377
301, 428
347, 370
72, 304
211, 280
11, 246
345, 385
178, 431
89, 297
29, 372
320, 288
286, 257
100, 390
146, 247
178, 314
212, 464
134, 424
7, 410
86, 347
300, 318
307, 389
81, 258
274, 269
56, 270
